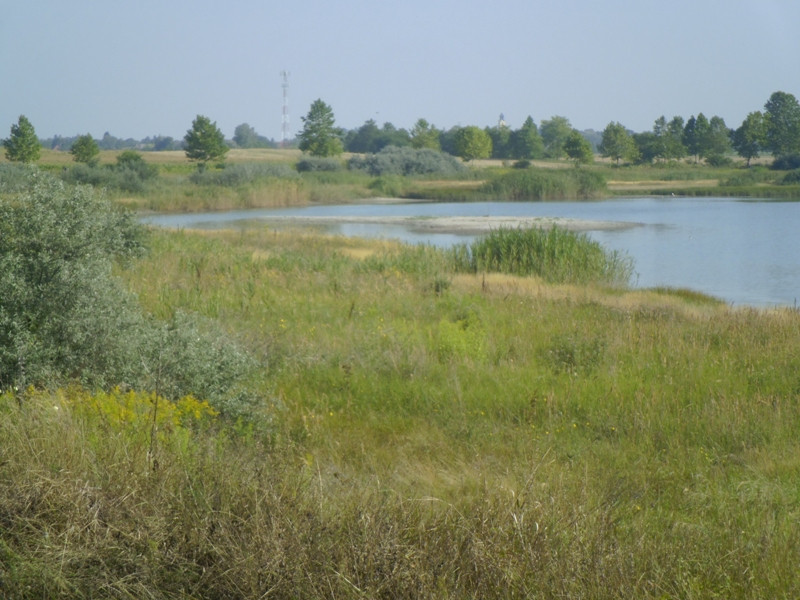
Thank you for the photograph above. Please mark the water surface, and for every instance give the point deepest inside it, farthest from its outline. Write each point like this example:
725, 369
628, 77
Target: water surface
745, 252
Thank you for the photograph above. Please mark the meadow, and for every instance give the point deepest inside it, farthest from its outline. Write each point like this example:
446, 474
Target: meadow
266, 178
424, 427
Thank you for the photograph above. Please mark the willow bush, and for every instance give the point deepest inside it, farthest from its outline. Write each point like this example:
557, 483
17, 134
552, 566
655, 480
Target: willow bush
396, 160
131, 174
65, 317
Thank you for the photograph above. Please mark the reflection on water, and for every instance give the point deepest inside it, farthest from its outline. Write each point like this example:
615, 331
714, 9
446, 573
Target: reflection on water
743, 252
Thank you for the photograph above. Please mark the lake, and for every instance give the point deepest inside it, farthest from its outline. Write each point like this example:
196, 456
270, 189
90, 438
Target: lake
742, 251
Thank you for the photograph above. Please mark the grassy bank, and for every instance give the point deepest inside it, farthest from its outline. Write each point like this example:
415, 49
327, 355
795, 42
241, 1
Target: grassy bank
267, 178
428, 434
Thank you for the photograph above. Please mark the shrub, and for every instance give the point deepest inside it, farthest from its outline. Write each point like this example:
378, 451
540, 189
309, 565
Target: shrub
130, 174
557, 256
791, 178
94, 175
132, 161
60, 310
786, 163
317, 163
403, 160
748, 176
64, 316
243, 173
718, 160
193, 356
15, 177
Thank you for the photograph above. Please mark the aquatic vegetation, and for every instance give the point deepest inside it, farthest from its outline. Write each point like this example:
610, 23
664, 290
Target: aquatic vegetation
555, 255
544, 184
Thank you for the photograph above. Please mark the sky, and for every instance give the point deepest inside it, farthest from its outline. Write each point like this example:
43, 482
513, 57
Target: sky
145, 68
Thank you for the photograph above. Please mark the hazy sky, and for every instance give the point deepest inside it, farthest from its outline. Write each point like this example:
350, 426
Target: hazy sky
148, 67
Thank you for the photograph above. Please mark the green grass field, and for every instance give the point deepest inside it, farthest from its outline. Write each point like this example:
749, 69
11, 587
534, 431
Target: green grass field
421, 432
172, 190
493, 437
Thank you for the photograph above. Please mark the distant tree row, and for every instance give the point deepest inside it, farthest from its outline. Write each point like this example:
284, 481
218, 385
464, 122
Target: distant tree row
204, 142
776, 130
156, 143
321, 137
23, 145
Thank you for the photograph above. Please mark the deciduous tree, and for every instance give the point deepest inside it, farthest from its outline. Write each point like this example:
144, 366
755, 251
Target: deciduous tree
690, 136
204, 142
22, 145
364, 139
695, 135
647, 146
85, 150
526, 143
501, 140
718, 142
320, 136
554, 132
245, 136
617, 143
782, 118
425, 135
673, 143
472, 142
578, 148
669, 138
748, 139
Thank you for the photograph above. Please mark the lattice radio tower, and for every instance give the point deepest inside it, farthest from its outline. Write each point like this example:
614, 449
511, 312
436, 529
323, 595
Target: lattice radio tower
285, 116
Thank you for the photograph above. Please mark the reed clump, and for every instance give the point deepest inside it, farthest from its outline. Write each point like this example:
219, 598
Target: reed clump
534, 184
555, 255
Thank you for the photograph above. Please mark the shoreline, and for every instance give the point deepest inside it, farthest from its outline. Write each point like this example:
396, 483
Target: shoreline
456, 225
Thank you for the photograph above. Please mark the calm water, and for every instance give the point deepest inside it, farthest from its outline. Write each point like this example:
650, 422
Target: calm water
747, 253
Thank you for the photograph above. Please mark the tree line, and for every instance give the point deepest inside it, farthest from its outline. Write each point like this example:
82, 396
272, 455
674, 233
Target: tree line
775, 130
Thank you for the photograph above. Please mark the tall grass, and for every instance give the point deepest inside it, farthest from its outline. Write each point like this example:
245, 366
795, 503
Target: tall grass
481, 440
545, 184
422, 433
555, 255
237, 174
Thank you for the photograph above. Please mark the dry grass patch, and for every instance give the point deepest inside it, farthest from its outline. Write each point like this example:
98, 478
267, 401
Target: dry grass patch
502, 285
448, 183
289, 155
657, 184
175, 157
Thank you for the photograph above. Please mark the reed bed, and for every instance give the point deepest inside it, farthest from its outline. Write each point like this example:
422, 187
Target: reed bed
554, 255
534, 184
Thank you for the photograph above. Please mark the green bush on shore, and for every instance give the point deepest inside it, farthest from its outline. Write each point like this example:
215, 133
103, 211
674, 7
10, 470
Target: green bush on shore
405, 161
64, 316
131, 174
